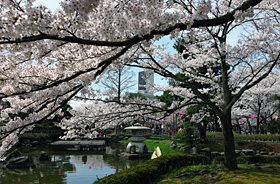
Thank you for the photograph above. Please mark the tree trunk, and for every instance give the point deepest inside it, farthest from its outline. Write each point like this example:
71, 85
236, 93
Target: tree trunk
119, 87
217, 125
229, 145
202, 131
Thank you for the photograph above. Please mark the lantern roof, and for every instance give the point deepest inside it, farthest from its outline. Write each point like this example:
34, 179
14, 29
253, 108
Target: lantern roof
137, 126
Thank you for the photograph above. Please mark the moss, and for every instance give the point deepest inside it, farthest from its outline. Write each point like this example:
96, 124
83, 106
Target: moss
246, 174
152, 169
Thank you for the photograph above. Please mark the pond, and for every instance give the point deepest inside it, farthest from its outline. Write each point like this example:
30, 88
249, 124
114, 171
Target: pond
69, 167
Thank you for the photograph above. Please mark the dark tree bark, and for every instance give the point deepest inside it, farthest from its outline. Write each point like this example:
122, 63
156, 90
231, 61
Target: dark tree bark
229, 145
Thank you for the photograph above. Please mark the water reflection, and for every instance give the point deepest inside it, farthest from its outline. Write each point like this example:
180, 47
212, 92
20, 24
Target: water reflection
69, 167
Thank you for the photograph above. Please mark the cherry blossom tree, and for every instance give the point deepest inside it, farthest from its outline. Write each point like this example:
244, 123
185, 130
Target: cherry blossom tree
257, 102
48, 58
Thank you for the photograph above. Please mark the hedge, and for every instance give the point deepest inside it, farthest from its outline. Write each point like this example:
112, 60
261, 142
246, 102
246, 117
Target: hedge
218, 137
253, 159
152, 169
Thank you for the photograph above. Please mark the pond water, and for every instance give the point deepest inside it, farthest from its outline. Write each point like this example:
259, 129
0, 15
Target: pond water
69, 167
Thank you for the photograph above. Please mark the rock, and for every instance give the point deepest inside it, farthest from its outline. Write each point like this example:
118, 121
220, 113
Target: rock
14, 154
43, 156
248, 152
181, 147
173, 145
205, 152
193, 150
35, 143
264, 153
215, 154
16, 160
238, 152
18, 163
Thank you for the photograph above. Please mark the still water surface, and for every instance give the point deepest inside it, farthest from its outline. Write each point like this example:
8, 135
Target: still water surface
69, 167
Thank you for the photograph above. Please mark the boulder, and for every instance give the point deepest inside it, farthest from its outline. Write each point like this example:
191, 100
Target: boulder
264, 153
248, 152
16, 160
43, 156
18, 163
14, 154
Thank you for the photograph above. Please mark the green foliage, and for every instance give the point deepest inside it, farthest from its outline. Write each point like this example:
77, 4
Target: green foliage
218, 137
137, 95
273, 126
187, 135
259, 159
167, 98
151, 169
34, 136
253, 159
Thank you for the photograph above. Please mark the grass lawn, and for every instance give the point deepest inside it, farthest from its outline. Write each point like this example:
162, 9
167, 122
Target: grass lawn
246, 174
164, 146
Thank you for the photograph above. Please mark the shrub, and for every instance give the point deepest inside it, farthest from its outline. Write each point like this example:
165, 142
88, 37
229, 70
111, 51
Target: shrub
151, 169
262, 146
259, 159
34, 136
187, 135
253, 159
218, 137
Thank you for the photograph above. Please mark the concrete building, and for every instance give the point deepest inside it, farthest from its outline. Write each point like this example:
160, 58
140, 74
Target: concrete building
145, 83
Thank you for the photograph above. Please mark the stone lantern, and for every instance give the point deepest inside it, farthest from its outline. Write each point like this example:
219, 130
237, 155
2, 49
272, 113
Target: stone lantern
137, 139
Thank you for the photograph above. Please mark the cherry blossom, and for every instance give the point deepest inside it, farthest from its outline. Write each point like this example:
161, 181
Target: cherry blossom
49, 58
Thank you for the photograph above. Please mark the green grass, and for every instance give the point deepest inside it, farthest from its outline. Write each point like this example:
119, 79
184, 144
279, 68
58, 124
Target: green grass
164, 146
160, 137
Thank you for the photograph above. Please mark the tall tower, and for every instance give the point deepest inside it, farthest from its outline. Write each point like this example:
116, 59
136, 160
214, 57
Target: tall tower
145, 83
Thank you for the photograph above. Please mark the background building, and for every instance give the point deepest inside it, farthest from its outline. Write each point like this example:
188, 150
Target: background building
146, 83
